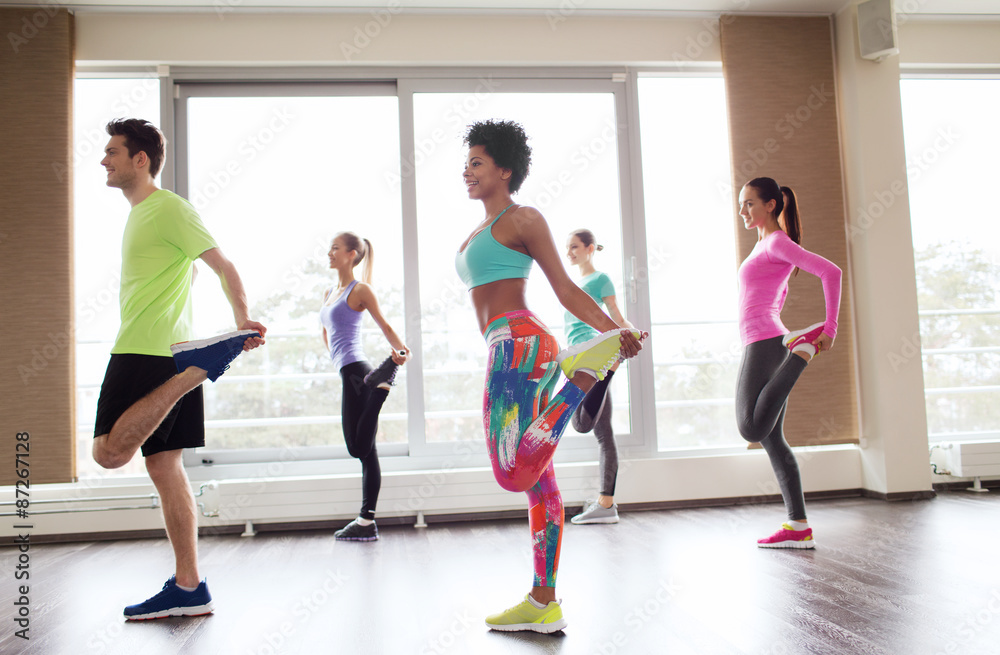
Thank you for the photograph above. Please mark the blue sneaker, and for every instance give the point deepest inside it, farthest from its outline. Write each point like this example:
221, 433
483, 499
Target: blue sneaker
172, 601
213, 355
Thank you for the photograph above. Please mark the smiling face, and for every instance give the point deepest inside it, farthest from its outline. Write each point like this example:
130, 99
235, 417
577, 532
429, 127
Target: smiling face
755, 212
340, 255
482, 176
577, 253
121, 168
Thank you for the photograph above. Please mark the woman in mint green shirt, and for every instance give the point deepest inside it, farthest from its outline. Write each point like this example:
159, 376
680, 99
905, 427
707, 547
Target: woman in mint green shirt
594, 413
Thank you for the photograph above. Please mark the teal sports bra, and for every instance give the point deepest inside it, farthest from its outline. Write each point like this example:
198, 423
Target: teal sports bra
486, 260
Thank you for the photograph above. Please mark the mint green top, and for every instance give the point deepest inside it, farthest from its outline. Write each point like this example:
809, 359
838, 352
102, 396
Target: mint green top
162, 237
598, 286
486, 260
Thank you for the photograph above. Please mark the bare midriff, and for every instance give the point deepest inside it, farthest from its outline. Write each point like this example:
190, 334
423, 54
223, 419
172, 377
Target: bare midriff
495, 298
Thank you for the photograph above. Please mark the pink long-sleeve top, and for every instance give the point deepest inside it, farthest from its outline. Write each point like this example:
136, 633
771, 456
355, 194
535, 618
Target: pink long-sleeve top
763, 278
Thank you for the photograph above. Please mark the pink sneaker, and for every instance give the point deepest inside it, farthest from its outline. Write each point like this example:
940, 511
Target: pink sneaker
801, 340
787, 537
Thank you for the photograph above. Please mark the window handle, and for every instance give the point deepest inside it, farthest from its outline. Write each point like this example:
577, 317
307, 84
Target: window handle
632, 280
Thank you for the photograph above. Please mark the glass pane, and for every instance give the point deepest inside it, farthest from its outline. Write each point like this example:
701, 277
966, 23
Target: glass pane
952, 138
99, 214
274, 179
574, 183
690, 233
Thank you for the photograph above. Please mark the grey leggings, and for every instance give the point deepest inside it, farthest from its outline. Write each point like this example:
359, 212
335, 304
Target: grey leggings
767, 374
608, 450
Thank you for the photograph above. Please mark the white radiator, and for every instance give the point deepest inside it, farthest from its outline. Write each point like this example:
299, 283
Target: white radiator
971, 459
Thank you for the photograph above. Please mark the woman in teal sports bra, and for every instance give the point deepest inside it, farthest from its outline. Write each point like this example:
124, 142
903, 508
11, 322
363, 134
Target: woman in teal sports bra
594, 413
523, 416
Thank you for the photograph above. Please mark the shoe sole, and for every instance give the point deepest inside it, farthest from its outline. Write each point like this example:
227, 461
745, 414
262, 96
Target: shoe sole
792, 336
355, 538
544, 628
800, 545
580, 348
603, 521
198, 610
185, 346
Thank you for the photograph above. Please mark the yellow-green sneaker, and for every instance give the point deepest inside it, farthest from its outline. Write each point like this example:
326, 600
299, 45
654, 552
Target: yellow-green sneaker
527, 616
595, 356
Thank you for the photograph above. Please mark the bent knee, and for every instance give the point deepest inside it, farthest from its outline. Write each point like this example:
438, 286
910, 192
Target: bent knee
106, 457
510, 482
750, 434
358, 453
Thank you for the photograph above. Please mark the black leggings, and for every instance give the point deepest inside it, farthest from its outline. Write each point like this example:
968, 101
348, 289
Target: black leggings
767, 374
359, 410
607, 448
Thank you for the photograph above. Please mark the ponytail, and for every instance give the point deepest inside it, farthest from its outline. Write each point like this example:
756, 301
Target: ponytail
788, 219
369, 257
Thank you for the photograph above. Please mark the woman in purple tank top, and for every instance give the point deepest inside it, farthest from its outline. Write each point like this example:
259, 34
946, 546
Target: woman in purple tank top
773, 357
364, 389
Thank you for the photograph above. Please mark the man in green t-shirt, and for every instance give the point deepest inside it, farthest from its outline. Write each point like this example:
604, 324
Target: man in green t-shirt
151, 398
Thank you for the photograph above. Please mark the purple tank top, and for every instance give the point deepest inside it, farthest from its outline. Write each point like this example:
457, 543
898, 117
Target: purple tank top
343, 329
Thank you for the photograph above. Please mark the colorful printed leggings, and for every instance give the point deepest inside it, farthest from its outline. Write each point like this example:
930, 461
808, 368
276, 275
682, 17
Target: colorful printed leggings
523, 423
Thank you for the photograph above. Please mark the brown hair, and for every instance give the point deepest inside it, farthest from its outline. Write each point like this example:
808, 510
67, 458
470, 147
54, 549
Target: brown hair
587, 238
140, 136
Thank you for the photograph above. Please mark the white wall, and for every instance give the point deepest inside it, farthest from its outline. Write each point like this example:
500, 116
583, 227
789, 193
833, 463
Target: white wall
390, 39
973, 43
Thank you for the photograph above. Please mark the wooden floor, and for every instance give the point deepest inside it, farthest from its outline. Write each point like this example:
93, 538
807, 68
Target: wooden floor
904, 578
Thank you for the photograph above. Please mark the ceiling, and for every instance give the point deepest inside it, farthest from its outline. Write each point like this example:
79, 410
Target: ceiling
916, 8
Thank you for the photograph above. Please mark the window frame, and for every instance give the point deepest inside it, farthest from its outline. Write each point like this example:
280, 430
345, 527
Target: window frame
936, 438
179, 83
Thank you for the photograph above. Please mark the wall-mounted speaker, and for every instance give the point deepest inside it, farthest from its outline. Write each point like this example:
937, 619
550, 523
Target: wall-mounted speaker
877, 29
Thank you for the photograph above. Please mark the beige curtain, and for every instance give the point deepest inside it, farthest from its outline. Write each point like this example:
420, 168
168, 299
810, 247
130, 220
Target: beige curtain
783, 124
37, 383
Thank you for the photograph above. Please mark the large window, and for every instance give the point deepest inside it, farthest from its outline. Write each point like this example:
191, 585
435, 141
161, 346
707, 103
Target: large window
99, 215
574, 182
277, 169
276, 172
952, 138
691, 259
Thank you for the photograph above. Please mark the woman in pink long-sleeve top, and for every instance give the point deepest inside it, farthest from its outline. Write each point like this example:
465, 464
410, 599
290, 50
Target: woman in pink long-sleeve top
773, 358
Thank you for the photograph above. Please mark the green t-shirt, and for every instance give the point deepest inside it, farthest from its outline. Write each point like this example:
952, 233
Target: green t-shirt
598, 286
162, 237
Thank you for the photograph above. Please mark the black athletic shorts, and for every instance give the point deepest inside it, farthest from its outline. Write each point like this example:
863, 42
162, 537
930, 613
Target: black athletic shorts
130, 378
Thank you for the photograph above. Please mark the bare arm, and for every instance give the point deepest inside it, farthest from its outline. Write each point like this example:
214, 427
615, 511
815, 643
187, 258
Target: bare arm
616, 315
537, 240
365, 297
232, 286
326, 337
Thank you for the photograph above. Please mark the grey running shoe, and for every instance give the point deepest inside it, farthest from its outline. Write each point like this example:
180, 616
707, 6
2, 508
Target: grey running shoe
384, 373
594, 513
354, 531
